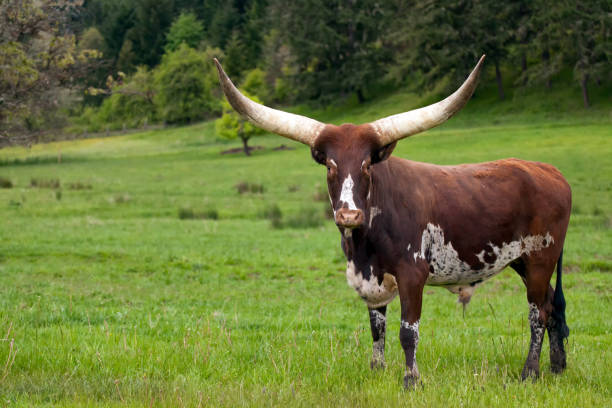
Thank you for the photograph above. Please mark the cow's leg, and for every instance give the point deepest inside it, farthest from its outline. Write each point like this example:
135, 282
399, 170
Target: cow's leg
556, 325
540, 307
557, 331
378, 324
410, 285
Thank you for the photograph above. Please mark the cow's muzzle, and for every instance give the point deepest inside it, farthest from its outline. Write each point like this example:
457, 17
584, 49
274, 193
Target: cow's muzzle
349, 218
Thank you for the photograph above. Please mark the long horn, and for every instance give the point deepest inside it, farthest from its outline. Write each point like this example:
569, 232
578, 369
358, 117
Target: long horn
296, 127
393, 128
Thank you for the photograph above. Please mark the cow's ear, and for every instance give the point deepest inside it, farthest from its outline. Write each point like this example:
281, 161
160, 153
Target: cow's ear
318, 156
383, 153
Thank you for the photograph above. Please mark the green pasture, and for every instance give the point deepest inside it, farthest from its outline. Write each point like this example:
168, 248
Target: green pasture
109, 298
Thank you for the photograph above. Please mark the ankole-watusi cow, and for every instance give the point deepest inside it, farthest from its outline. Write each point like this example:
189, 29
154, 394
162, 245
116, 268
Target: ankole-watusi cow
406, 224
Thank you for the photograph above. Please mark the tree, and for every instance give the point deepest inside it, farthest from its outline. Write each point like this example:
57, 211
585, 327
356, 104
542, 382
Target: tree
131, 102
185, 29
443, 39
574, 34
492, 22
255, 84
231, 125
337, 45
40, 66
589, 30
152, 18
185, 81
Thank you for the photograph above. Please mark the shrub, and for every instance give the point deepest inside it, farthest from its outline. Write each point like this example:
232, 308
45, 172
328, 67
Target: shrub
273, 213
79, 186
306, 217
131, 103
5, 183
185, 81
121, 198
44, 183
187, 213
248, 187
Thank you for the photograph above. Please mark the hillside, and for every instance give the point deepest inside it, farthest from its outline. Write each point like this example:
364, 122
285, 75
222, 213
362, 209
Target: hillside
136, 268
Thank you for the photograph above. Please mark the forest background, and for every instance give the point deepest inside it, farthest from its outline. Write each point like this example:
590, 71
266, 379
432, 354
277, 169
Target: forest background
76, 67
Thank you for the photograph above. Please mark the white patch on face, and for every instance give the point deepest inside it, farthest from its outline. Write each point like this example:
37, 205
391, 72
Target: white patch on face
333, 162
347, 193
449, 269
374, 211
375, 295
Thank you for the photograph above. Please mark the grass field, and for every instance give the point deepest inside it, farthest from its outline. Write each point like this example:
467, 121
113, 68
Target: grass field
146, 279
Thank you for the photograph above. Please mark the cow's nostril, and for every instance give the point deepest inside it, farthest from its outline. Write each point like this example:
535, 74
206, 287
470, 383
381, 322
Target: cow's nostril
349, 218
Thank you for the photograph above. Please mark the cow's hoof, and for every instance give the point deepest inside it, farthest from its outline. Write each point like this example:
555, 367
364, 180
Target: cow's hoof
557, 368
410, 382
530, 372
377, 365
557, 362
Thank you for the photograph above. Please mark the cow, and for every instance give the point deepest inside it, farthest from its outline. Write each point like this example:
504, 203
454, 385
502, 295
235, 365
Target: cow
406, 224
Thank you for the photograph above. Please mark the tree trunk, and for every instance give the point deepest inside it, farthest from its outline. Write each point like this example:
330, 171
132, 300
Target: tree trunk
524, 67
546, 59
585, 91
245, 146
360, 96
500, 84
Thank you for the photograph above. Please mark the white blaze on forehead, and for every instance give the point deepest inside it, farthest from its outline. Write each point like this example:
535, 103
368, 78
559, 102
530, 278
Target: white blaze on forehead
347, 193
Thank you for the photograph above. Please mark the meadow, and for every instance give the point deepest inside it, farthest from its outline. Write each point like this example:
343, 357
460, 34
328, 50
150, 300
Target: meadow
133, 272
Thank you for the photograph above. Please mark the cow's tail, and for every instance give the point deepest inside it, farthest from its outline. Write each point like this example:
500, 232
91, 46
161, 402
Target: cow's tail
558, 302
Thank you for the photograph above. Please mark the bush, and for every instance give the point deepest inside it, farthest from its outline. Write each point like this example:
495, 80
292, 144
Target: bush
79, 186
273, 213
44, 183
131, 104
5, 183
248, 187
306, 217
187, 213
185, 81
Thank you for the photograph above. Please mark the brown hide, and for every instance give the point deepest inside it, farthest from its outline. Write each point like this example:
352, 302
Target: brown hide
476, 205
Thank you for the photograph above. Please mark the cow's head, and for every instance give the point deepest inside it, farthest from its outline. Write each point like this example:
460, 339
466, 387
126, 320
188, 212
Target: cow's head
349, 151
